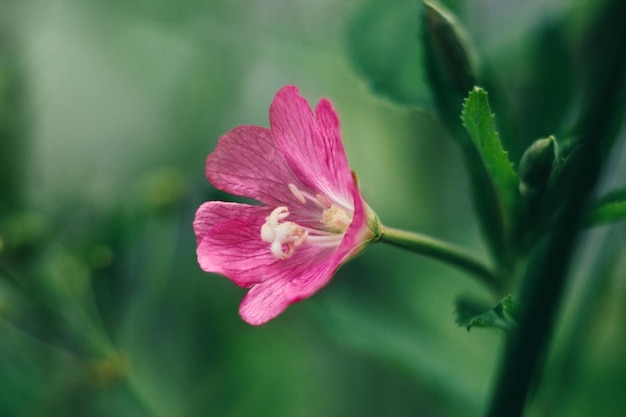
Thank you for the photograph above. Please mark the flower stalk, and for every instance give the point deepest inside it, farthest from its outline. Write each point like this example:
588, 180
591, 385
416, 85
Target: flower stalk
443, 251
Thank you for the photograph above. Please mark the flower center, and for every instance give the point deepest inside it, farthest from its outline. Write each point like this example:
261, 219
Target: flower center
285, 237
336, 220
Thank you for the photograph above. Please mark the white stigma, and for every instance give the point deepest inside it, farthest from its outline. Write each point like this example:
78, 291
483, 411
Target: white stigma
284, 237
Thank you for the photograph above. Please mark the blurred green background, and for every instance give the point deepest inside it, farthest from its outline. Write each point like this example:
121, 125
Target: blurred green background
107, 113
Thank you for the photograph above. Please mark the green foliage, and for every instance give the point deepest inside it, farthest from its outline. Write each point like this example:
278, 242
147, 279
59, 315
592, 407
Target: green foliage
481, 126
608, 209
547, 275
451, 63
452, 67
384, 48
471, 313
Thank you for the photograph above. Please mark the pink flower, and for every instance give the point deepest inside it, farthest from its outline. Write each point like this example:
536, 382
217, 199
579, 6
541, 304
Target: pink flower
312, 218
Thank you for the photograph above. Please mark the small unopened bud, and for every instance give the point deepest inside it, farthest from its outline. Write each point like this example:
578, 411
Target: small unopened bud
537, 165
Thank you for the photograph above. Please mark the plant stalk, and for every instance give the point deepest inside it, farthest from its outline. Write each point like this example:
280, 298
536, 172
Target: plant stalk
446, 252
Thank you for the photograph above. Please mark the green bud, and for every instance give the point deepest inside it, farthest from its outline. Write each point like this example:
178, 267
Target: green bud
450, 60
451, 47
537, 165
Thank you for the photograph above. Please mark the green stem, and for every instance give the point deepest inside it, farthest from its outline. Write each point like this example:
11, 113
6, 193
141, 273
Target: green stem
444, 251
545, 280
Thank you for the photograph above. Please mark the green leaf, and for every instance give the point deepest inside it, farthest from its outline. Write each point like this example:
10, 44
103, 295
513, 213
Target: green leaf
472, 313
383, 47
608, 209
452, 69
481, 126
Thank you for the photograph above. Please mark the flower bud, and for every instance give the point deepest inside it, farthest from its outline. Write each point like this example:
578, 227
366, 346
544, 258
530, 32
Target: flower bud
451, 63
537, 165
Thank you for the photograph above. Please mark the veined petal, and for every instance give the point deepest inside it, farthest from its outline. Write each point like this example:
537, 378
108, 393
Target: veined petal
234, 248
335, 154
357, 235
268, 299
311, 146
359, 232
263, 302
213, 212
233, 245
247, 162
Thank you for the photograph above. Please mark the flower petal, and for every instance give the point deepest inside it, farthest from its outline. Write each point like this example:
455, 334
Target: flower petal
359, 232
246, 162
213, 212
336, 158
233, 245
263, 302
312, 147
357, 235
234, 248
267, 300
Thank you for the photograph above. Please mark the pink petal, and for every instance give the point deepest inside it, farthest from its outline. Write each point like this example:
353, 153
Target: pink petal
214, 212
234, 245
234, 248
267, 300
358, 234
335, 158
246, 162
263, 302
307, 283
312, 147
